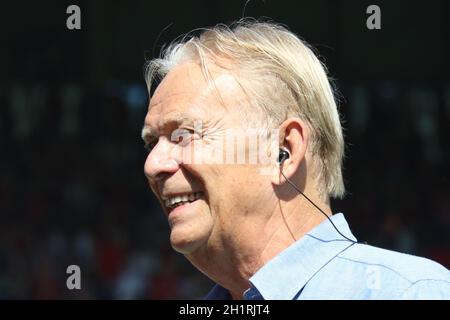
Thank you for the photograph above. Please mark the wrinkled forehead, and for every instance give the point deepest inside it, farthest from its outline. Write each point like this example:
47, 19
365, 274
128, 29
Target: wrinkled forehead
186, 87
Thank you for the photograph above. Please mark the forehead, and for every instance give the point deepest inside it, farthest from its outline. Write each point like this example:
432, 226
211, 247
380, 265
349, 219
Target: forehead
185, 91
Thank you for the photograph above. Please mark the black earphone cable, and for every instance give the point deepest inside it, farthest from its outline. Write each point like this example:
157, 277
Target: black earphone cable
304, 195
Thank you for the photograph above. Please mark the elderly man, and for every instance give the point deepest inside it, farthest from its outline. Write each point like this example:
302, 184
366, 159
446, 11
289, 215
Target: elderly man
263, 229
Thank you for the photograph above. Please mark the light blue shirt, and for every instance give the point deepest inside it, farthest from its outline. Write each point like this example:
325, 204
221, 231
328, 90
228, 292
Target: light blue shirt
324, 265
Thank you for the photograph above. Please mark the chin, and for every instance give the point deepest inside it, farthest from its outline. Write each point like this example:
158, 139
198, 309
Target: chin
186, 242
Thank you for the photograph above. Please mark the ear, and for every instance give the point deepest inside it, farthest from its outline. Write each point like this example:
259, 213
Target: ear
294, 137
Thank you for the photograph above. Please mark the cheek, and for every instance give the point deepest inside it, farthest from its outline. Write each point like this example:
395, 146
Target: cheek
230, 189
206, 151
242, 188
227, 189
194, 150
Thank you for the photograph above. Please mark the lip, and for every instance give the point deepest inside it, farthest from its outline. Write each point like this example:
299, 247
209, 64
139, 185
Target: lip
183, 207
165, 196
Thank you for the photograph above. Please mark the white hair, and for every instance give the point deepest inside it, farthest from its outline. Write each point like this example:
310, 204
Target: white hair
281, 75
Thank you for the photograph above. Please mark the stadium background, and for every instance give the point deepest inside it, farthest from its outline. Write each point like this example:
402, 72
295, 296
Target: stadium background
72, 103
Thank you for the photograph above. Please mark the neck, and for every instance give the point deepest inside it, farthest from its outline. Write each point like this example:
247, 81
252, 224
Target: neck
255, 242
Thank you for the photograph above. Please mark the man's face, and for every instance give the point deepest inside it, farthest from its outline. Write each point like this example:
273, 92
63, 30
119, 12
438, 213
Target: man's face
207, 204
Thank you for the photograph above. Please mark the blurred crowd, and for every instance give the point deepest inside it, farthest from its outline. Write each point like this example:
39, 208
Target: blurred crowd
72, 189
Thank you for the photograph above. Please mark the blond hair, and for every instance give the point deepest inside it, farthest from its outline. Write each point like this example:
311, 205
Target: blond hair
282, 76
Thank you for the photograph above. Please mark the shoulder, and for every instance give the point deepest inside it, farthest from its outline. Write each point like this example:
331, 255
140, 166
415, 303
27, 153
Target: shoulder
367, 272
409, 267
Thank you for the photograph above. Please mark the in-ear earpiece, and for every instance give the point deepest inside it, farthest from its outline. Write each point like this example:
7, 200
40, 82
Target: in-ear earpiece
284, 154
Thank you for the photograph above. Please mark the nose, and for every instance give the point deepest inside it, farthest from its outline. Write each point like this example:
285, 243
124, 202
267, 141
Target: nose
161, 162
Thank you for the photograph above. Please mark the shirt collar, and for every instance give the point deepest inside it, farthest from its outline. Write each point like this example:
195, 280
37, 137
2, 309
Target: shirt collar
285, 275
218, 293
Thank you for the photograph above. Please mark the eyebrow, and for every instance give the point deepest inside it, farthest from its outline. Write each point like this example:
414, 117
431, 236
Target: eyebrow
148, 133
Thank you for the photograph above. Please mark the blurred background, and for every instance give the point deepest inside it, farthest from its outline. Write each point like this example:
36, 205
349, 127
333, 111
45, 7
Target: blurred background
72, 104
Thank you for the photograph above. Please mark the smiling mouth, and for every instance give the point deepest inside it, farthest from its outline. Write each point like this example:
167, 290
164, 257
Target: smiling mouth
176, 201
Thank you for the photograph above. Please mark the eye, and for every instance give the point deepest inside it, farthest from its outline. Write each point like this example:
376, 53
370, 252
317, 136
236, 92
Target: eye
184, 139
184, 136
